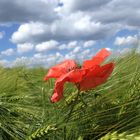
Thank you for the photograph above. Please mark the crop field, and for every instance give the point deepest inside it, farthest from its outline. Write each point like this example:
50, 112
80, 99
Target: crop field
109, 112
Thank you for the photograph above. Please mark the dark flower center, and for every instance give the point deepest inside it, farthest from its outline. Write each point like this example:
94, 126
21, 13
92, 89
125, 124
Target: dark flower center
73, 68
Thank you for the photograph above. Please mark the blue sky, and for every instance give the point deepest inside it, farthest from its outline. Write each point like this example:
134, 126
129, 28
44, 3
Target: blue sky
46, 32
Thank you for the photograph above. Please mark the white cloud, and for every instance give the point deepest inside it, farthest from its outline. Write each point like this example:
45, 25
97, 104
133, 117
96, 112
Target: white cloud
28, 30
24, 48
80, 5
122, 52
75, 20
77, 49
2, 34
8, 52
70, 56
72, 44
129, 40
126, 12
77, 26
86, 52
73, 28
25, 11
22, 61
125, 51
77, 45
89, 43
109, 49
4, 63
69, 46
39, 59
46, 46
62, 47
79, 54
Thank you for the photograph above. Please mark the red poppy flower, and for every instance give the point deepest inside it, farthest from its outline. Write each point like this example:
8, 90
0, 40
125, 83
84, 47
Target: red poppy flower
88, 77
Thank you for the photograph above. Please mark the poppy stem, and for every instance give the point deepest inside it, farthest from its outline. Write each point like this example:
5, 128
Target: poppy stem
83, 101
69, 115
73, 105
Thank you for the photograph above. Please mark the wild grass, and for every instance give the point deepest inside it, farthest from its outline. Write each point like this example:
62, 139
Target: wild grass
111, 111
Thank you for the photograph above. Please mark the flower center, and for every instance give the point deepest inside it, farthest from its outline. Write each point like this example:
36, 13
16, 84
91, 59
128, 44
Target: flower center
71, 68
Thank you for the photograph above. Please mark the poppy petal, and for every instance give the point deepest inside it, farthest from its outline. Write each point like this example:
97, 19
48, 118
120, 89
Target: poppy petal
73, 76
60, 69
97, 59
96, 76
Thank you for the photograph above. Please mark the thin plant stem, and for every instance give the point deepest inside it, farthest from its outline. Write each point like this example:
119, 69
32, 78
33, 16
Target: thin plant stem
69, 115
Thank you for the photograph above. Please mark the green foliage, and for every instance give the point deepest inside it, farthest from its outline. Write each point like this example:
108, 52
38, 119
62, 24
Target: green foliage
123, 136
111, 111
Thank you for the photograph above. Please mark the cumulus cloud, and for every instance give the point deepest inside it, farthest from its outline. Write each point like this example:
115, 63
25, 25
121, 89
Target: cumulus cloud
25, 11
76, 19
38, 59
62, 47
80, 5
79, 54
122, 52
89, 43
4, 63
125, 51
77, 49
22, 61
126, 12
109, 49
2, 34
24, 48
46, 46
28, 32
77, 26
69, 45
72, 44
8, 52
74, 27
42, 59
129, 40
